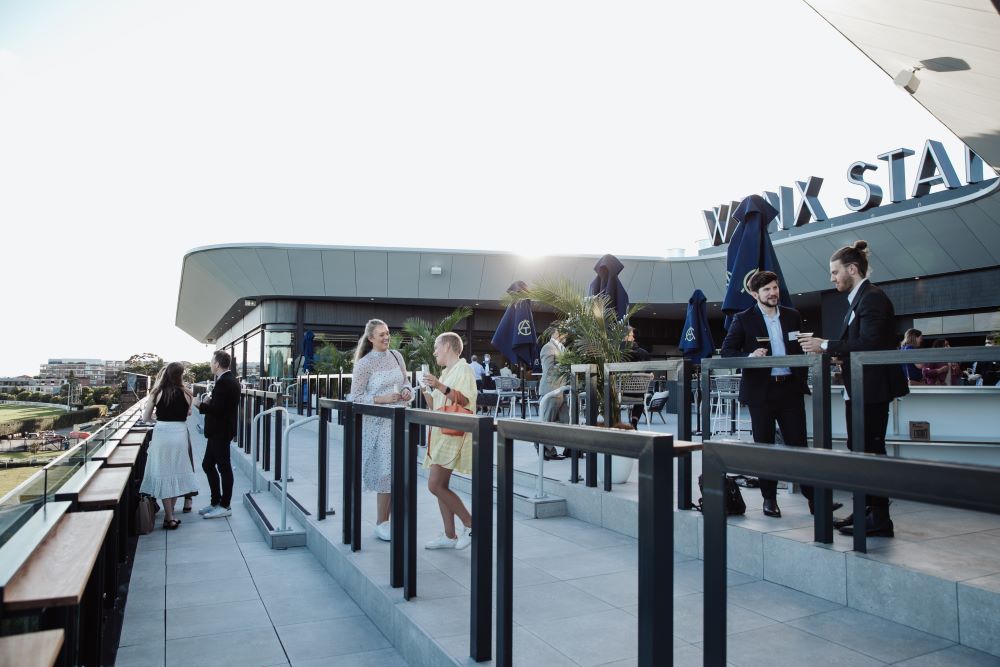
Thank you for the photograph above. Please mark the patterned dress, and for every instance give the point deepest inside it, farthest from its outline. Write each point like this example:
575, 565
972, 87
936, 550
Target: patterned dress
453, 451
376, 374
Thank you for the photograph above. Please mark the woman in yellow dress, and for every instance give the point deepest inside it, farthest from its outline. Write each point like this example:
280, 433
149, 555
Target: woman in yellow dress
448, 453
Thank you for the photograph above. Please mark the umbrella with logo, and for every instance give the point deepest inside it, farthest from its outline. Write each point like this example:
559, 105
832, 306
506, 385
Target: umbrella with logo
606, 282
750, 251
515, 337
696, 337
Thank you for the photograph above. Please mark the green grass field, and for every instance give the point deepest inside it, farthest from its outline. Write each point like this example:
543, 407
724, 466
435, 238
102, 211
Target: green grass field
9, 413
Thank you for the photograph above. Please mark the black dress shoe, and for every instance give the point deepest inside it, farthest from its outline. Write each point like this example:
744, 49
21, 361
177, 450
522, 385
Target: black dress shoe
836, 506
875, 526
771, 509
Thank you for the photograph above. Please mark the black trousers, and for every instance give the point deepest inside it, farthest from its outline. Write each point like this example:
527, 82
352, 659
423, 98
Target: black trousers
876, 421
218, 467
783, 405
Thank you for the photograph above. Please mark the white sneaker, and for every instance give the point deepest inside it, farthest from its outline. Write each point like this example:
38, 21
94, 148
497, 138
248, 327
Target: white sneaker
383, 532
206, 509
218, 512
464, 538
442, 542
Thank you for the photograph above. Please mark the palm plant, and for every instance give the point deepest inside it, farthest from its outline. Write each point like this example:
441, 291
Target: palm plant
594, 334
331, 360
422, 334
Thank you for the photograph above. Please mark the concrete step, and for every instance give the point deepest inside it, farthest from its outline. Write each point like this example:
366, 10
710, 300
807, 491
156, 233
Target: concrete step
266, 512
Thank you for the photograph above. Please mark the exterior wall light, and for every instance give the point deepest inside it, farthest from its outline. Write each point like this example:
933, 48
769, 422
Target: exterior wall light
436, 270
907, 79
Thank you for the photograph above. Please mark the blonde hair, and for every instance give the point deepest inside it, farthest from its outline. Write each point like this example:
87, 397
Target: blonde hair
364, 344
453, 340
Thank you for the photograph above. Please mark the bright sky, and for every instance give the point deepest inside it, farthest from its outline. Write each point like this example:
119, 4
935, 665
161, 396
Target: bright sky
134, 131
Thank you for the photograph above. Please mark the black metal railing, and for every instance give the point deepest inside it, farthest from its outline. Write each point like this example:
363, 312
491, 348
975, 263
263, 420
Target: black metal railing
860, 361
819, 370
684, 370
964, 487
481, 601
656, 531
589, 372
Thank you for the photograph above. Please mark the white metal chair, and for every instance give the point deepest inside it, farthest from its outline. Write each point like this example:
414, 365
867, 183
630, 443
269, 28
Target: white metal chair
507, 393
654, 405
726, 413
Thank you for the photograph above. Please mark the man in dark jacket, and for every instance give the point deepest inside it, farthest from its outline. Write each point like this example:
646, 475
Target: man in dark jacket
773, 395
868, 325
220, 429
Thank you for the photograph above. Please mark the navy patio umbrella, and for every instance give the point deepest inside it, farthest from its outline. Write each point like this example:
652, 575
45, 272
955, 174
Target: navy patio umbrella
606, 282
696, 337
515, 337
750, 251
308, 350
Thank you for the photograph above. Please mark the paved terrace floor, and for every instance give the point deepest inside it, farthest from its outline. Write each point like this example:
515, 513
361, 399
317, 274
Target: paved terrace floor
212, 593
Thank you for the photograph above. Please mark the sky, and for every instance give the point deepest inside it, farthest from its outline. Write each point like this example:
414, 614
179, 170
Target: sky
133, 132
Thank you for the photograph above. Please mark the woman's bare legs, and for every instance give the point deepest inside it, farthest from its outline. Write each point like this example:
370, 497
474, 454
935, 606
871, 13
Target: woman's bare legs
384, 507
448, 501
168, 509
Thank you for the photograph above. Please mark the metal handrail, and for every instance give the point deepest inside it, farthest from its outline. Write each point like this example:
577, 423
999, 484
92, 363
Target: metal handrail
656, 533
254, 439
966, 487
284, 468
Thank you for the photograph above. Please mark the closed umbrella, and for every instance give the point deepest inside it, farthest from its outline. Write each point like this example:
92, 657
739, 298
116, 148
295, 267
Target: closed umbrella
750, 251
308, 350
606, 282
696, 337
515, 337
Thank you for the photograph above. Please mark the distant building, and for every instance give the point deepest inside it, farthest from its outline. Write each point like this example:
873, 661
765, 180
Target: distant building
89, 372
11, 385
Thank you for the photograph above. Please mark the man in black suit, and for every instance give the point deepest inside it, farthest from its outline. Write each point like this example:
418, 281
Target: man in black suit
772, 395
868, 325
220, 429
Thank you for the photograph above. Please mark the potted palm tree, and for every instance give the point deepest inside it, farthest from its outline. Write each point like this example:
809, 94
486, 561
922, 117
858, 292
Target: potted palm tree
594, 335
419, 349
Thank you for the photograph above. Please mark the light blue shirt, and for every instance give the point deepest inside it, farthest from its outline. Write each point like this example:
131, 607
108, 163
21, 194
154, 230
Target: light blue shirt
773, 324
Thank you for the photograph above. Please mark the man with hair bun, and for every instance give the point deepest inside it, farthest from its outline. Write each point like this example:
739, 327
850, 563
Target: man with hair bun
868, 325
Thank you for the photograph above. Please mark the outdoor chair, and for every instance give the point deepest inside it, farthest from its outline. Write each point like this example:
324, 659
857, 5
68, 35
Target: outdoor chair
632, 389
726, 414
508, 393
654, 405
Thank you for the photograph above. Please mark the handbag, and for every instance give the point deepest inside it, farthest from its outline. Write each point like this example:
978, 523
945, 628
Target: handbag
454, 408
735, 505
145, 514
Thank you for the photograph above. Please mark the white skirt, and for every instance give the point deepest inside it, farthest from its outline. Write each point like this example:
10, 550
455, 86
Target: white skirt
169, 472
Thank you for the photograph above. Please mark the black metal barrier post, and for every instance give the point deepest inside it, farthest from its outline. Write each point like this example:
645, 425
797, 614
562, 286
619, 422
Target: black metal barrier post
656, 530
953, 485
481, 604
589, 372
861, 360
819, 369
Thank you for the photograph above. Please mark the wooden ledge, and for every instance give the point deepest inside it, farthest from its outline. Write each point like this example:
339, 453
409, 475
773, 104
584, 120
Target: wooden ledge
56, 574
34, 649
134, 438
124, 456
686, 447
105, 489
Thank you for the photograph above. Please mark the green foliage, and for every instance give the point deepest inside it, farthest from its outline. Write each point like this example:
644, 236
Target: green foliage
422, 334
200, 372
145, 363
331, 360
594, 334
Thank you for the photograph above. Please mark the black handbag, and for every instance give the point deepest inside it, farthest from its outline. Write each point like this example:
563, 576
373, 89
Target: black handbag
735, 505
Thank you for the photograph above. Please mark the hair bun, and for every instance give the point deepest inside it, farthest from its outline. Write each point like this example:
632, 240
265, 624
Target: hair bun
861, 245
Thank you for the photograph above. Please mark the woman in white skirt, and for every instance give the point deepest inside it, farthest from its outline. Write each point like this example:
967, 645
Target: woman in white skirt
168, 467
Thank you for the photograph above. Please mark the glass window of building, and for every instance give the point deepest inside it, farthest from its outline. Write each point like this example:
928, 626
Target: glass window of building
278, 354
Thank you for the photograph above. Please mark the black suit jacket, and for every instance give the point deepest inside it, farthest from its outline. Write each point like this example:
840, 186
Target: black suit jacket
873, 328
741, 340
220, 411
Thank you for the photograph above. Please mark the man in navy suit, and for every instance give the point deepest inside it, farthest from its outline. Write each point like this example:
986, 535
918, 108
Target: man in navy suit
220, 428
868, 325
775, 395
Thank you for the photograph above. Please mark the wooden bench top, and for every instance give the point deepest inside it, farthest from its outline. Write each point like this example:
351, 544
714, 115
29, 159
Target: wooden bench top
133, 438
123, 456
105, 489
33, 649
686, 447
56, 574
